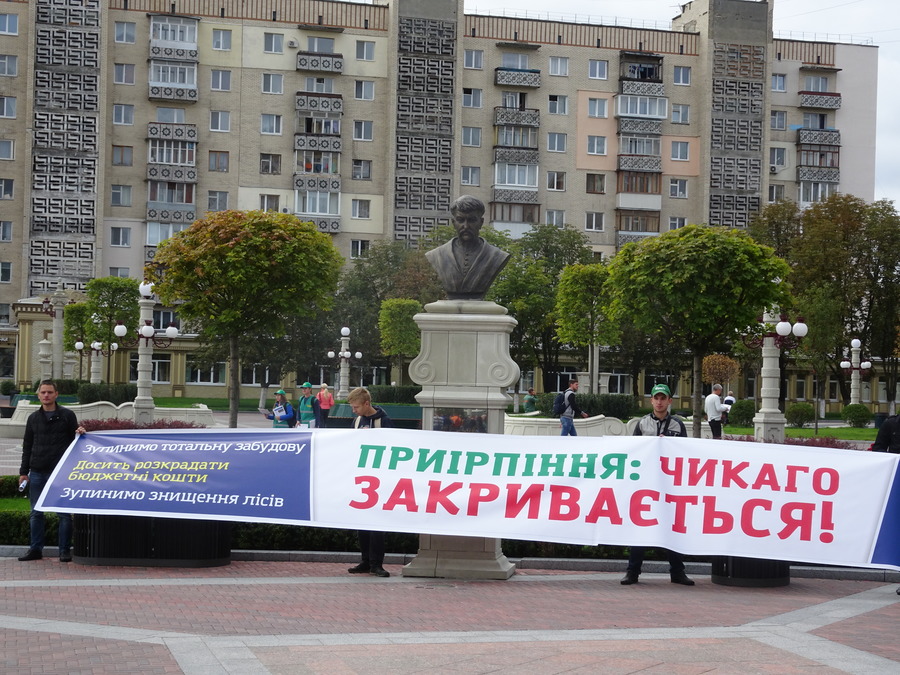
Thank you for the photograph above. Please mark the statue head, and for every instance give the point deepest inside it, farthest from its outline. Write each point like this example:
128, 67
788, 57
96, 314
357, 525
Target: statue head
468, 217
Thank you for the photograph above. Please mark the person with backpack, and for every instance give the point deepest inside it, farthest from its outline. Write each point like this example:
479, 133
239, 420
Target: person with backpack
371, 544
309, 413
568, 408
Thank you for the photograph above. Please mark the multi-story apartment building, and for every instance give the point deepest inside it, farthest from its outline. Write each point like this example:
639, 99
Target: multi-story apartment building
124, 120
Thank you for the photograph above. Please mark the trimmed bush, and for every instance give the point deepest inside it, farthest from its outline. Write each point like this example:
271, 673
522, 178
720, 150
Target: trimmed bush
800, 414
64, 387
856, 415
811, 442
117, 394
382, 393
126, 423
7, 388
621, 406
742, 413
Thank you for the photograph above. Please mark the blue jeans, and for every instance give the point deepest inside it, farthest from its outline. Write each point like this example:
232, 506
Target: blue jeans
568, 426
36, 483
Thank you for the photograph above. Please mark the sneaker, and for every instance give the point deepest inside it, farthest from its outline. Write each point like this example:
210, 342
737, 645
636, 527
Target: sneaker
630, 577
380, 572
362, 568
682, 578
65, 556
33, 554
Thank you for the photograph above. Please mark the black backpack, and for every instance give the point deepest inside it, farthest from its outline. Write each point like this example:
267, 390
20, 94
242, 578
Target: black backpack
559, 404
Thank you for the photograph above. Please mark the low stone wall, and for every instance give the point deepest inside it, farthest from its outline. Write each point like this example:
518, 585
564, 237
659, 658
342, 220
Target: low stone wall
14, 427
599, 425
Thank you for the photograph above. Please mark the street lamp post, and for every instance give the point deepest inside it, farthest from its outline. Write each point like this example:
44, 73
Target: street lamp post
855, 368
143, 402
54, 306
97, 353
345, 355
768, 424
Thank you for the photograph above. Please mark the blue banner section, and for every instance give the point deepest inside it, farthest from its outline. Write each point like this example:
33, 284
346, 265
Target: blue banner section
887, 544
195, 473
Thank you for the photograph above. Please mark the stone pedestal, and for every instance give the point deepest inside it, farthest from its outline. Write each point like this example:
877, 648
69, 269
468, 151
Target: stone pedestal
463, 366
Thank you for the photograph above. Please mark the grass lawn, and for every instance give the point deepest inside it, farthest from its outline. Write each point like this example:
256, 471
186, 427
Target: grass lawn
15, 504
220, 404
842, 433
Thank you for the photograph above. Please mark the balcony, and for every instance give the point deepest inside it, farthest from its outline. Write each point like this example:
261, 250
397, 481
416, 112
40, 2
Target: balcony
508, 195
160, 49
636, 125
642, 88
635, 201
517, 77
516, 156
650, 163
521, 117
168, 92
820, 99
172, 132
319, 62
327, 224
165, 212
172, 173
819, 136
319, 102
317, 182
623, 237
321, 142
819, 174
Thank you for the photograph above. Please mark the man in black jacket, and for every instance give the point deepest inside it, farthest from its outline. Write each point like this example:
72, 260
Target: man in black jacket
888, 440
48, 432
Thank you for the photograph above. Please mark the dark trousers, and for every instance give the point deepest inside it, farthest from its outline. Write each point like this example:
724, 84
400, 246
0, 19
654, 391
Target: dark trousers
371, 545
715, 426
324, 416
636, 560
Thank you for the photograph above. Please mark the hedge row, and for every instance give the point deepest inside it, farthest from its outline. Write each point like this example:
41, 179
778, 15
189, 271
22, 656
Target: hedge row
621, 406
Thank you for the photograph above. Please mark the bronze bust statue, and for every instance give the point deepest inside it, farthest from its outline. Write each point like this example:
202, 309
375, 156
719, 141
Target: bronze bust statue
467, 265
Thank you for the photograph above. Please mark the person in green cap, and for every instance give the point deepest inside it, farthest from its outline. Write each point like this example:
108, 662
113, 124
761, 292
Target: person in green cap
309, 413
282, 414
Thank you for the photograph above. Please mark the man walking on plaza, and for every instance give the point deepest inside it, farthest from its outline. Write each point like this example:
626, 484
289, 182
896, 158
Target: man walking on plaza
567, 416
660, 422
713, 407
48, 432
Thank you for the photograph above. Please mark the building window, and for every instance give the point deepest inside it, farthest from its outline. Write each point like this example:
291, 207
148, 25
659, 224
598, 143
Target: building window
559, 66
473, 59
123, 114
778, 120
120, 195
518, 175
8, 106
471, 175
270, 163
5, 272
776, 193
170, 115
555, 217
219, 120
123, 73
119, 272
365, 50
362, 130
220, 80
556, 142
6, 188
6, 228
321, 203
678, 188
272, 83
820, 155
320, 45
360, 209
319, 85
217, 201
315, 161
514, 60
779, 82
221, 39
273, 43
122, 155
682, 75
4, 319
777, 156
173, 29
171, 193
596, 145
218, 160
597, 107
556, 180
120, 236
514, 213
270, 124
365, 90
9, 24
517, 137
816, 192
596, 184
652, 107
816, 83
173, 73
359, 248
269, 203
680, 151
361, 170
182, 153
559, 104
194, 373
471, 98
159, 232
639, 182
593, 221
597, 70
471, 136
681, 113
9, 65
160, 367
125, 31
637, 221
318, 125
676, 222
7, 149
813, 120
639, 145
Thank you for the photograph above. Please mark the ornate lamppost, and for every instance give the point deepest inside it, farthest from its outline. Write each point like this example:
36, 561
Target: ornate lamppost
345, 355
54, 306
97, 353
146, 341
855, 368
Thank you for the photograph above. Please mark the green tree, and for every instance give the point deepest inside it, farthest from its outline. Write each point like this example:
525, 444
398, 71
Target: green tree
399, 332
580, 310
109, 301
237, 276
700, 285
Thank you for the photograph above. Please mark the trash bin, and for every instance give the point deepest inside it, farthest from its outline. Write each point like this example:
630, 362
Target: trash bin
150, 541
750, 572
